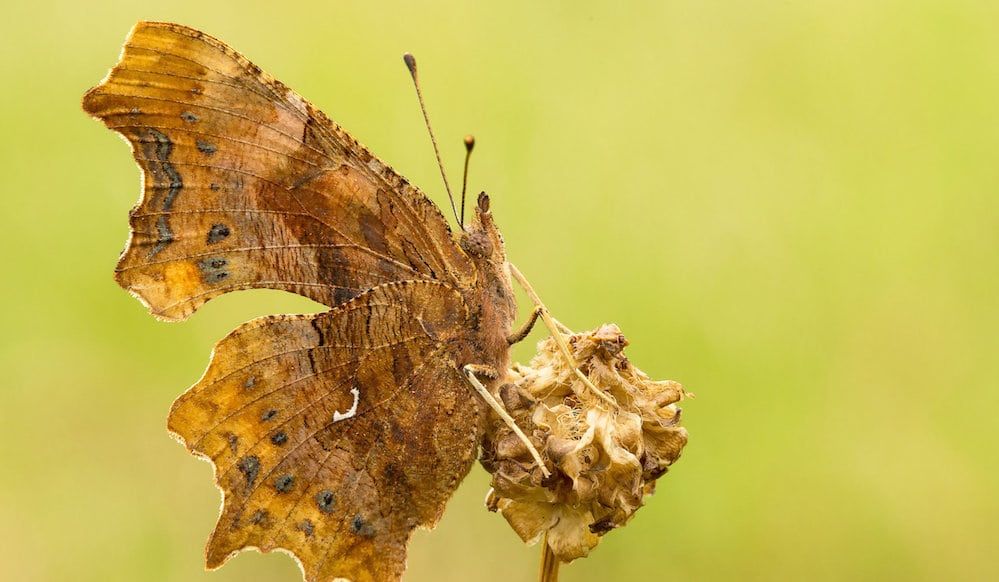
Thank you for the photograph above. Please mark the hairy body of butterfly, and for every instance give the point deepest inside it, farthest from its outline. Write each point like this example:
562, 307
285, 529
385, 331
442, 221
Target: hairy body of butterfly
333, 435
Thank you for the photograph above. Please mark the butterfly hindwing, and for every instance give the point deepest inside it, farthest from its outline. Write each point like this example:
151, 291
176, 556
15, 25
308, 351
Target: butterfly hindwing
335, 435
247, 185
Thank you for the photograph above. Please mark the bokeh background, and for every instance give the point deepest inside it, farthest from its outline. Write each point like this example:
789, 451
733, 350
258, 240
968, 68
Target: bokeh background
790, 207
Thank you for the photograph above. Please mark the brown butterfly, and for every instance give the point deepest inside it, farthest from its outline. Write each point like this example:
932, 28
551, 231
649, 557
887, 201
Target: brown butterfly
333, 435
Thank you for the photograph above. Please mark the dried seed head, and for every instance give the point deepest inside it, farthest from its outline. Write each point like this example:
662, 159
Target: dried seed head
604, 461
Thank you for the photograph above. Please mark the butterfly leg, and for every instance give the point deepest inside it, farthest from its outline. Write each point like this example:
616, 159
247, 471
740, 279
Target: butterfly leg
470, 371
520, 334
557, 330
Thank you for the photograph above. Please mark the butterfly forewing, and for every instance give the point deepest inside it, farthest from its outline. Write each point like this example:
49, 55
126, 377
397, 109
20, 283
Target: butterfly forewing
247, 185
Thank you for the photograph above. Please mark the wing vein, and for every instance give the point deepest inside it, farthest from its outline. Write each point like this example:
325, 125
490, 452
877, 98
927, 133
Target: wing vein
213, 135
271, 248
220, 110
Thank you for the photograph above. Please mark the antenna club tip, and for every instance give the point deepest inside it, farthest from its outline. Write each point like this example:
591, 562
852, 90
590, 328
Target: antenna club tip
469, 142
410, 61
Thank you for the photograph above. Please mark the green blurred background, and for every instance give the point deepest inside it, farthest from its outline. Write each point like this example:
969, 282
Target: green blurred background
790, 207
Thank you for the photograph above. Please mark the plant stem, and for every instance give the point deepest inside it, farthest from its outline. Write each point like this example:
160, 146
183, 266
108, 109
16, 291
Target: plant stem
549, 563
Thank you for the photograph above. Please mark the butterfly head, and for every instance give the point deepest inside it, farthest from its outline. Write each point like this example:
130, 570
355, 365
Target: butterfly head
496, 307
481, 239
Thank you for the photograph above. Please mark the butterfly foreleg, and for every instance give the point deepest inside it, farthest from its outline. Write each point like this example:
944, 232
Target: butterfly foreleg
557, 330
525, 329
470, 371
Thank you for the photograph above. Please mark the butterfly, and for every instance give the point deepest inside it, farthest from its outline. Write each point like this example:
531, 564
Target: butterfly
333, 435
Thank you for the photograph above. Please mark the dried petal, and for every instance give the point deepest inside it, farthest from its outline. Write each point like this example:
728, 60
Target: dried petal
604, 461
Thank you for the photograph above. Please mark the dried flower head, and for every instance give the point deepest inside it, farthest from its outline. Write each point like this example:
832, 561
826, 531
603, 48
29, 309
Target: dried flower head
604, 461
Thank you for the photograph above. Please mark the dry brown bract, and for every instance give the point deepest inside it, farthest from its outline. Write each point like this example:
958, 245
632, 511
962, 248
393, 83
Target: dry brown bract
605, 461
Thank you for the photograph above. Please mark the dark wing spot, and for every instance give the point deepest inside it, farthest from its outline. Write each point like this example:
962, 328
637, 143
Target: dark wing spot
250, 467
157, 147
205, 147
284, 483
267, 415
164, 235
361, 527
189, 117
279, 438
306, 527
325, 500
217, 233
213, 269
259, 517
250, 382
233, 443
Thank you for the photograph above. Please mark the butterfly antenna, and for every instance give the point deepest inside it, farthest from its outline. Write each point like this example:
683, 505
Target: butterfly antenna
411, 65
469, 144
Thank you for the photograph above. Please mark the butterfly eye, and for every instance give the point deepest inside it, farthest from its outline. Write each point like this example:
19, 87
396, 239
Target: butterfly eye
477, 244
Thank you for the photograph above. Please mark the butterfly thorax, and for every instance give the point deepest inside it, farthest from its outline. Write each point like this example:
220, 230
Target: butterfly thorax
491, 298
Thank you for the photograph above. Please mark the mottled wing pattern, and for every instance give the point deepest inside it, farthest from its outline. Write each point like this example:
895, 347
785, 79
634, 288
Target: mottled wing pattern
335, 435
247, 185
